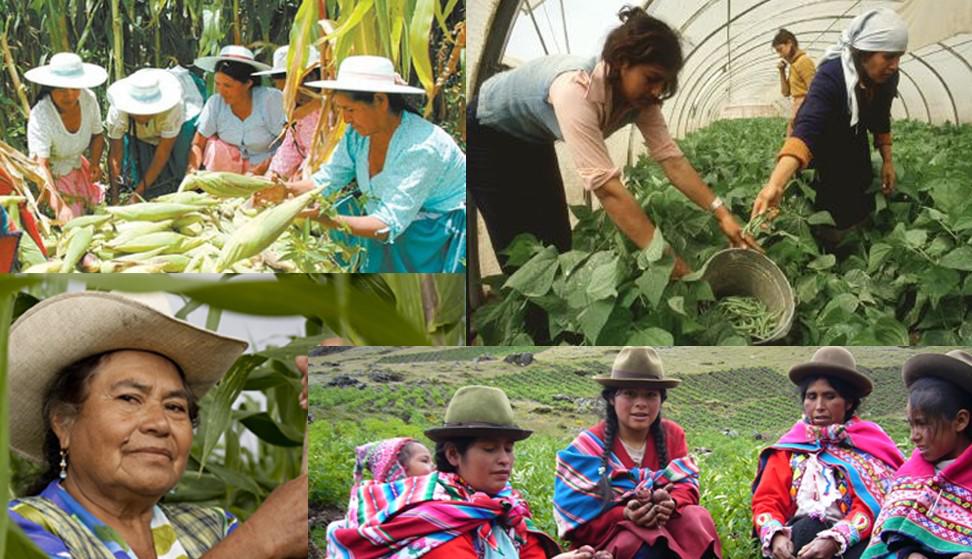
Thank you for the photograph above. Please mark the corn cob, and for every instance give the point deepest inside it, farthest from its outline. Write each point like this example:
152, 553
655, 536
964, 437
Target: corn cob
51, 267
261, 231
224, 185
190, 197
84, 220
144, 269
78, 241
150, 211
143, 243
170, 262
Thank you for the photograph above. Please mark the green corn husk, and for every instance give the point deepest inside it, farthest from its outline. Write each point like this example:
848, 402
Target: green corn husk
262, 231
138, 257
84, 220
144, 269
169, 262
78, 241
151, 211
190, 197
51, 267
224, 185
169, 241
141, 227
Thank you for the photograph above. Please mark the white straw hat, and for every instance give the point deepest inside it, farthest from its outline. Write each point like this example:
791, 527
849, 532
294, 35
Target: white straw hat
66, 70
280, 61
149, 91
234, 53
66, 328
367, 73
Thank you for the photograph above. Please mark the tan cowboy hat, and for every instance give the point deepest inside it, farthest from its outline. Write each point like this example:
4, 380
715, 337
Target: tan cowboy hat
478, 411
66, 70
954, 366
149, 91
367, 73
234, 53
66, 328
638, 367
834, 361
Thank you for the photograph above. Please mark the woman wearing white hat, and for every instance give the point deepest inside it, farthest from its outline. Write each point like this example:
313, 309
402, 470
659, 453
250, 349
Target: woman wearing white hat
237, 127
411, 173
64, 122
289, 161
850, 94
109, 410
148, 145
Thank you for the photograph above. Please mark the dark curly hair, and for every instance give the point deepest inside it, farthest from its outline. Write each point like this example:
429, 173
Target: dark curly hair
643, 39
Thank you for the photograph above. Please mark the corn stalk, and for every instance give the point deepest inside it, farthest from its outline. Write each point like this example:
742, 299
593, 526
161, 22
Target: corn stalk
118, 40
8, 62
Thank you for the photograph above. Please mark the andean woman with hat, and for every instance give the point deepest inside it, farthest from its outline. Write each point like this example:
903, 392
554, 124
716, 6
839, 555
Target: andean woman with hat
149, 133
927, 513
850, 94
237, 127
108, 409
64, 123
411, 174
465, 510
820, 487
627, 485
290, 159
519, 115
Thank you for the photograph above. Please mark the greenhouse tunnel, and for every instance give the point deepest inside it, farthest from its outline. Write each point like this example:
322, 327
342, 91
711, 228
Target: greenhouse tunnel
730, 68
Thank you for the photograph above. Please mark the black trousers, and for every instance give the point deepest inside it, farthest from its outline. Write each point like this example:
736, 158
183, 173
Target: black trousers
806, 529
516, 185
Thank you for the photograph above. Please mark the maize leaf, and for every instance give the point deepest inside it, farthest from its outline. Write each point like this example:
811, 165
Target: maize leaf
262, 231
150, 211
78, 241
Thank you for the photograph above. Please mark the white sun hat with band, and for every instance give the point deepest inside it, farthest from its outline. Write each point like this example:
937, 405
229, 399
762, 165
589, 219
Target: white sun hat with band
232, 53
148, 91
280, 62
67, 70
367, 73
66, 328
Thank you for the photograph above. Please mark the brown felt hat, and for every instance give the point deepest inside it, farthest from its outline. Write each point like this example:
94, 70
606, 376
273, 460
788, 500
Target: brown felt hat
954, 366
638, 367
833, 361
478, 411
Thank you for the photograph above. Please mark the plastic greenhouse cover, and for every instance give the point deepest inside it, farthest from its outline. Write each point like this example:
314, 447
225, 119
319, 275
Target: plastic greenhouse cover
730, 66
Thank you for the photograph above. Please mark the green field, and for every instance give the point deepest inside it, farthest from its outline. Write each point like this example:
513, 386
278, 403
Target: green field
732, 402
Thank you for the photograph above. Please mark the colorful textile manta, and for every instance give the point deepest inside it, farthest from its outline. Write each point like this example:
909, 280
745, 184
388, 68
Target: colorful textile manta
409, 517
577, 500
926, 512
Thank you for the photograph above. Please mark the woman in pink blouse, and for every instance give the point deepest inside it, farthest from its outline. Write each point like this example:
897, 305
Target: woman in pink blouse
519, 114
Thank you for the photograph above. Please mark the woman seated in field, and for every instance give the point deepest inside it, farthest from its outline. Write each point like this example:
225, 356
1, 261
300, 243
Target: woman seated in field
927, 513
466, 509
819, 488
627, 485
64, 123
237, 127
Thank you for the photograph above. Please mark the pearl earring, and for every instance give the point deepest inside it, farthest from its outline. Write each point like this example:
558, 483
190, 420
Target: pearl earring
63, 464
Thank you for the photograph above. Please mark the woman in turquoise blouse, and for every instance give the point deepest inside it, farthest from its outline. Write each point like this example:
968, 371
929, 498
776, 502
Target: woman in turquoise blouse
410, 212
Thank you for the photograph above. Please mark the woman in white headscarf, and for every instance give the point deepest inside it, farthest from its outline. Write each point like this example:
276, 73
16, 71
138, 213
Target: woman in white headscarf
850, 95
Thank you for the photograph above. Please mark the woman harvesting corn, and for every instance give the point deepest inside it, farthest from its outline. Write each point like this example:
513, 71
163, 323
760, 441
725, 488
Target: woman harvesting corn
411, 174
237, 127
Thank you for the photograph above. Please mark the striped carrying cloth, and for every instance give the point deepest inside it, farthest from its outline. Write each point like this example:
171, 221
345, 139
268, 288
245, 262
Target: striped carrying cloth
576, 497
410, 517
925, 511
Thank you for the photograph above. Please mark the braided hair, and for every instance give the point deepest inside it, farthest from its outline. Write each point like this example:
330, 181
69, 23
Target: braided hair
611, 434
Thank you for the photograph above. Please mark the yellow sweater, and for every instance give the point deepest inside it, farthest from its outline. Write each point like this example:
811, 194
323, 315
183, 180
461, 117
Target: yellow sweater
802, 70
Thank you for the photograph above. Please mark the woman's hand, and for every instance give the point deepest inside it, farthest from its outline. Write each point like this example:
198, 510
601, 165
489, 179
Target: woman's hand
889, 179
734, 232
281, 521
664, 506
782, 547
301, 362
819, 548
768, 199
94, 172
638, 512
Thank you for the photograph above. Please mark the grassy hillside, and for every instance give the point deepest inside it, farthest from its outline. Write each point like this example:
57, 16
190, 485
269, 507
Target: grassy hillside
732, 402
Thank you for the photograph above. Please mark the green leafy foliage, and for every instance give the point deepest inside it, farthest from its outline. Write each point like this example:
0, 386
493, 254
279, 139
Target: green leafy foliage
903, 277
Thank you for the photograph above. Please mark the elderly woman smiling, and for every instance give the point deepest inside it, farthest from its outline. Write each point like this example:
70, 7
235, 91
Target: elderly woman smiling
109, 409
